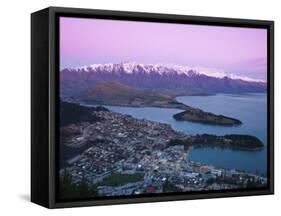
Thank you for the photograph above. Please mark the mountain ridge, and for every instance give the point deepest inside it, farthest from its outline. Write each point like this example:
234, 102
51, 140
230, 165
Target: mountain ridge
172, 79
161, 68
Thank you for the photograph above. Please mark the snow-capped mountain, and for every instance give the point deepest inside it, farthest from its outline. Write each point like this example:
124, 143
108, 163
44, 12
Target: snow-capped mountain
160, 77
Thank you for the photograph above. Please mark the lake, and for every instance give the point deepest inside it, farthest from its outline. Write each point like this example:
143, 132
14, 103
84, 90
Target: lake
251, 109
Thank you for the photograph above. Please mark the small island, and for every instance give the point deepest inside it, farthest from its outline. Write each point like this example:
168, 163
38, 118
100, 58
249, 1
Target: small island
197, 115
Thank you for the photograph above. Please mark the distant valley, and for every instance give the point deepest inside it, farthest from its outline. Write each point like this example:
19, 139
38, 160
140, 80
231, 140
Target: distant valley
116, 94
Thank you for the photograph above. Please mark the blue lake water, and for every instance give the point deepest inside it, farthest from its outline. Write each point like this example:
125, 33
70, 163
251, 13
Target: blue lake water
249, 108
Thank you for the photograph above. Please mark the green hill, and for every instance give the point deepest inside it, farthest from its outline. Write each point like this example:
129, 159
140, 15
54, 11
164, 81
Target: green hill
114, 93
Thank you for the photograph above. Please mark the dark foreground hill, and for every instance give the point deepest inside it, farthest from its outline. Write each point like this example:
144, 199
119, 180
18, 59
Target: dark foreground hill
71, 113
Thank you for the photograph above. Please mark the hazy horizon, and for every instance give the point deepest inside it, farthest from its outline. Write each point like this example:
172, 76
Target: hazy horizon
234, 51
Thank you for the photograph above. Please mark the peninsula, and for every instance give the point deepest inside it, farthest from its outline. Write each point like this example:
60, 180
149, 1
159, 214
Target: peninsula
233, 141
197, 115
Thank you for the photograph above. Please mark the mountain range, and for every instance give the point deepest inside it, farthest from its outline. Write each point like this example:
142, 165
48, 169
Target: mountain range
172, 79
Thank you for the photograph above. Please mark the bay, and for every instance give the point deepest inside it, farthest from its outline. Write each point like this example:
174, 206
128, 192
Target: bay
251, 109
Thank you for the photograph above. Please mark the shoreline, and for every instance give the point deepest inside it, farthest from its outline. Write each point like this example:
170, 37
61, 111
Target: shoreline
122, 144
210, 141
239, 149
198, 115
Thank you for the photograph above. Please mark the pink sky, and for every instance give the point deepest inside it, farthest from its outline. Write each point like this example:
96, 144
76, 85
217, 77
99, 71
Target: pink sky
239, 51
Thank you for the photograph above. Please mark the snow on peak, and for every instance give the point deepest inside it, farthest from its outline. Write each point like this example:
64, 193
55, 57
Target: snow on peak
133, 67
129, 66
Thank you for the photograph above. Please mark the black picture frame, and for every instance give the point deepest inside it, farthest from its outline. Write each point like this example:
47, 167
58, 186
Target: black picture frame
45, 104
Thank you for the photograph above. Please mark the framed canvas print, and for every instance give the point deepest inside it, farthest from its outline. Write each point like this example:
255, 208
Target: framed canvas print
138, 107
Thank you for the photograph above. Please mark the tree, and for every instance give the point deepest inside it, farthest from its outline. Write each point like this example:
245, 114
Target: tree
169, 187
85, 190
69, 189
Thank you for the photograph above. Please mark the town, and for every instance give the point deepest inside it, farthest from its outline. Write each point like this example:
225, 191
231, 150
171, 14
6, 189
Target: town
127, 156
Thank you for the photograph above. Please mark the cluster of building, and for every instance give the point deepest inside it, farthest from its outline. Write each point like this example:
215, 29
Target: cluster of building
124, 145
